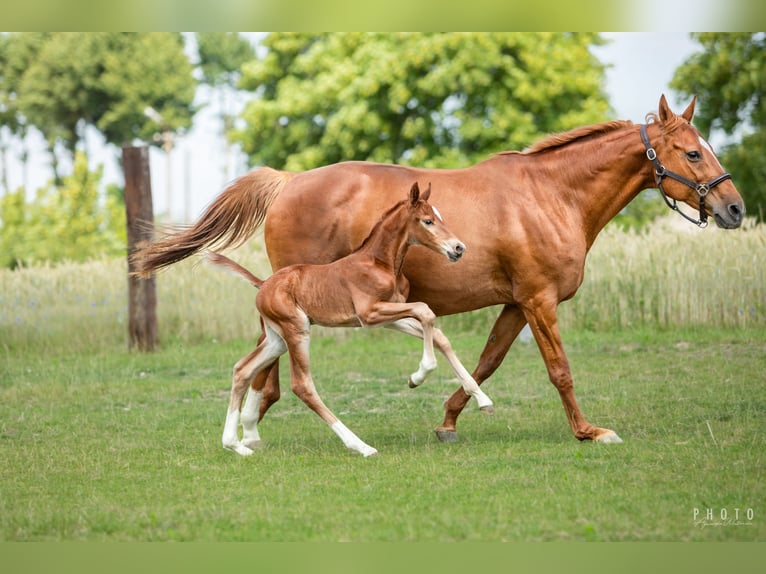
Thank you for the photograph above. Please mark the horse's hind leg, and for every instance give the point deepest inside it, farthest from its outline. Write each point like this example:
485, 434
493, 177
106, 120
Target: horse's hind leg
303, 386
244, 372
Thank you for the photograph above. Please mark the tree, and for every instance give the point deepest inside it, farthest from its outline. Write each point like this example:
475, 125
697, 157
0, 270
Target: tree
729, 77
442, 100
17, 53
64, 223
221, 57
105, 80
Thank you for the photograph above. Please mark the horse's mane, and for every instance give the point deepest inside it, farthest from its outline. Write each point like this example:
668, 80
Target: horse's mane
555, 141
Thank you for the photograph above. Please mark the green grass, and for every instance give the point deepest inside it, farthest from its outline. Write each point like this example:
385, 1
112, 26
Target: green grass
109, 445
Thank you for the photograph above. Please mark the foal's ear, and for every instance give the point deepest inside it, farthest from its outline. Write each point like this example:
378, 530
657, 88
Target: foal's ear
414, 194
426, 193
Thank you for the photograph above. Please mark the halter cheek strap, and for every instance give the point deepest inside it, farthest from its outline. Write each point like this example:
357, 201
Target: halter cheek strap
661, 173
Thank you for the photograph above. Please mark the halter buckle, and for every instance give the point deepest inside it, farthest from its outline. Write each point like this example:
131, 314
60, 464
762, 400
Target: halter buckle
703, 189
651, 154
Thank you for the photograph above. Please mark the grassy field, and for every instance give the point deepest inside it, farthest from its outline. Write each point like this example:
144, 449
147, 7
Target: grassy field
667, 340
113, 446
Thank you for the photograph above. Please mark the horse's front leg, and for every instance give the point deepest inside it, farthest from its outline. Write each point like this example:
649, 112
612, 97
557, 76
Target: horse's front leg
505, 330
543, 320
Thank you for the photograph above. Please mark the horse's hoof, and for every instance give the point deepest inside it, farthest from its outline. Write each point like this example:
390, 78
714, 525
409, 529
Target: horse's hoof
609, 437
446, 435
253, 444
371, 452
488, 410
410, 384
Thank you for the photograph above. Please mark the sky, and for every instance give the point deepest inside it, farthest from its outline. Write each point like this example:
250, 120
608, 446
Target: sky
641, 67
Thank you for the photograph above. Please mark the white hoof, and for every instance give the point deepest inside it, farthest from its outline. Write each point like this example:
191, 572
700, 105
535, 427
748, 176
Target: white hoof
485, 403
252, 443
369, 451
609, 438
239, 448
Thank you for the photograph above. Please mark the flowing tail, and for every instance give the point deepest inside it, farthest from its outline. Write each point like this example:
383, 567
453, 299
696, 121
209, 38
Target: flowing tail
228, 222
223, 261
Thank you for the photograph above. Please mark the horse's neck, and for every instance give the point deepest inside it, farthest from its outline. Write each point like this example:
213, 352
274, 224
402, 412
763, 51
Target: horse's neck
604, 178
388, 242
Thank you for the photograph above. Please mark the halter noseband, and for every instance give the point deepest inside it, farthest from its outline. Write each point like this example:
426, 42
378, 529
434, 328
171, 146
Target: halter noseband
660, 173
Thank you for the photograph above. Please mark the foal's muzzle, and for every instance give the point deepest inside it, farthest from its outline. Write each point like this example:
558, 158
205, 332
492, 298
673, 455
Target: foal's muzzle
455, 251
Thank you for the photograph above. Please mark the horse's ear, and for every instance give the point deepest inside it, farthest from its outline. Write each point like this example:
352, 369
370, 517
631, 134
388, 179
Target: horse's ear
665, 112
689, 111
426, 193
414, 193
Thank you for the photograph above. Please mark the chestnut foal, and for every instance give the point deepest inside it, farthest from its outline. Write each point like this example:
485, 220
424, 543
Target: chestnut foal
365, 288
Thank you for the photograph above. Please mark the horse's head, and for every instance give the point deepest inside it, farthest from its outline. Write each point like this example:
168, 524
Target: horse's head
687, 169
427, 227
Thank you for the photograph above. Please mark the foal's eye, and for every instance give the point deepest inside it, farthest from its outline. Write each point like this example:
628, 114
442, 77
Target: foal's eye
428, 221
693, 155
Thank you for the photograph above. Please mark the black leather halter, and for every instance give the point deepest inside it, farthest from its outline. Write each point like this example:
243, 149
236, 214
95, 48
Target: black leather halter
660, 173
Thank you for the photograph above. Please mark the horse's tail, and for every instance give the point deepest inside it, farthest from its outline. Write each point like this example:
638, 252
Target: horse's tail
228, 222
223, 261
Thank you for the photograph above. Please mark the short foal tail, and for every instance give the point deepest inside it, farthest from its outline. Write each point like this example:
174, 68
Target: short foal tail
228, 222
223, 261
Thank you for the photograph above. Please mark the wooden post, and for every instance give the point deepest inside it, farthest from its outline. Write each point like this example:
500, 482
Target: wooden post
142, 293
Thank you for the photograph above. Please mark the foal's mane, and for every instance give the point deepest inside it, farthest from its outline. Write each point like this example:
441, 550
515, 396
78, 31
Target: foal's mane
556, 141
380, 222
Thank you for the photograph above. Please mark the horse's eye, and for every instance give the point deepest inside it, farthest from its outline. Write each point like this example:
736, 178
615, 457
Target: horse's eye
428, 221
693, 155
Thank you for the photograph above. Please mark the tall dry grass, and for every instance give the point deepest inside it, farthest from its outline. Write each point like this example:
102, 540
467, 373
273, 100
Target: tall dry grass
663, 276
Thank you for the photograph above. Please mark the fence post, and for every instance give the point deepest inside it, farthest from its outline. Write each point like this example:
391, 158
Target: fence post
142, 293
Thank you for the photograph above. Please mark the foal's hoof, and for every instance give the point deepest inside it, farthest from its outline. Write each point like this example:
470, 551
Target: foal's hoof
488, 409
608, 437
411, 384
253, 444
446, 435
239, 448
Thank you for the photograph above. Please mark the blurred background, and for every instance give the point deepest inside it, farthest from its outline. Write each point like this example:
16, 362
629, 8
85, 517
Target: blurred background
212, 105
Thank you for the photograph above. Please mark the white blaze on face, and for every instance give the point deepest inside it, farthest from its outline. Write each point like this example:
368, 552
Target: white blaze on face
709, 148
436, 212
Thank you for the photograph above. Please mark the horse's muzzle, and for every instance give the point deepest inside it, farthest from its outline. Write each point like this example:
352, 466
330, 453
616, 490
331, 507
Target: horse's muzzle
732, 217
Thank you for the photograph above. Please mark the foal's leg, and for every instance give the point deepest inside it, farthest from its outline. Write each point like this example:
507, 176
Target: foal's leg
384, 313
244, 372
267, 381
505, 330
470, 387
303, 386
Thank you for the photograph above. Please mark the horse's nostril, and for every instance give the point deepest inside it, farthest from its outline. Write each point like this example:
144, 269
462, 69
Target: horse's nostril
459, 248
735, 210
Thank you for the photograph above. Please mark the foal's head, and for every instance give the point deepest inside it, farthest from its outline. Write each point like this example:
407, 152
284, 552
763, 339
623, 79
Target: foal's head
426, 226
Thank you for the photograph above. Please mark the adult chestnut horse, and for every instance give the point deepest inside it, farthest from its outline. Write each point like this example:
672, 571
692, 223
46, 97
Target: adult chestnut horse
528, 219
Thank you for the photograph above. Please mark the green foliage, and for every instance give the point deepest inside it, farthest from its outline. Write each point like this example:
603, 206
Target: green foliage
729, 77
63, 82
64, 223
424, 99
222, 55
641, 211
